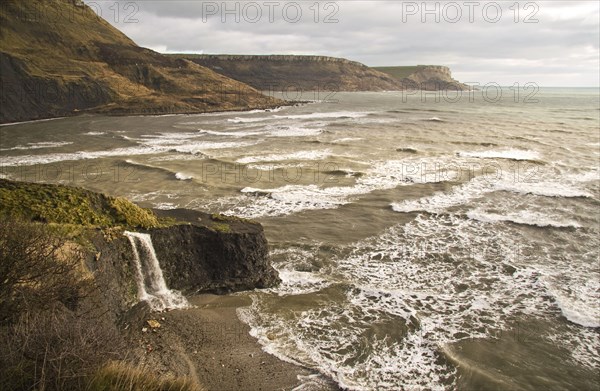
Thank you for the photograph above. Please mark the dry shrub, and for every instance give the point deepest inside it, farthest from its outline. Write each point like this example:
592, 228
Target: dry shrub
123, 377
52, 333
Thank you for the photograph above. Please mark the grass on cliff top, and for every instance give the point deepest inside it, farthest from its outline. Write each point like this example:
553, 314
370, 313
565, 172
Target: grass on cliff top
69, 205
399, 72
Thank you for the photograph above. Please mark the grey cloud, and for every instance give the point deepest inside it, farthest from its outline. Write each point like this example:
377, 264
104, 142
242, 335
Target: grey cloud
563, 42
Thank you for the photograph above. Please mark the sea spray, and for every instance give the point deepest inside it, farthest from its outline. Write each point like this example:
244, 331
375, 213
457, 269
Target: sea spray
151, 284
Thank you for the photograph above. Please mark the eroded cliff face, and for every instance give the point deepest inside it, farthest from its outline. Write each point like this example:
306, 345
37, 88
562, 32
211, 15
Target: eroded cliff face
58, 58
425, 77
292, 73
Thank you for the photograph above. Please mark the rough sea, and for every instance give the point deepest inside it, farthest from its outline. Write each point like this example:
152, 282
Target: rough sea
424, 241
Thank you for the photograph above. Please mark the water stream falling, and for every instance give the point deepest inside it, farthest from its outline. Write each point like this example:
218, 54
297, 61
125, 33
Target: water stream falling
151, 284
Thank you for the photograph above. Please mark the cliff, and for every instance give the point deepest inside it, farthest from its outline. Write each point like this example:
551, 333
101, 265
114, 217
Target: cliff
290, 73
197, 252
58, 58
319, 73
424, 77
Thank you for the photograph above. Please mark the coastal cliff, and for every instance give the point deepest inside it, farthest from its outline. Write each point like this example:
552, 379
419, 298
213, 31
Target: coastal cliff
197, 252
58, 58
74, 286
289, 73
424, 77
279, 73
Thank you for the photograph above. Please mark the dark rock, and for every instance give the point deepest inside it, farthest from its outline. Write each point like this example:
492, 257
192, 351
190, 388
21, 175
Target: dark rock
197, 258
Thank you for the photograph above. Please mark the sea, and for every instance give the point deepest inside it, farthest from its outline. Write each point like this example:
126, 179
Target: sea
425, 240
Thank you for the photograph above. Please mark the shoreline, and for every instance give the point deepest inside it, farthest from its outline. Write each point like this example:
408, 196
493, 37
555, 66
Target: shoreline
211, 346
84, 113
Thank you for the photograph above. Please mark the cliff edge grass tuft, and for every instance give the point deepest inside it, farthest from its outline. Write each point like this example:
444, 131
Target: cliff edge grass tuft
71, 206
228, 219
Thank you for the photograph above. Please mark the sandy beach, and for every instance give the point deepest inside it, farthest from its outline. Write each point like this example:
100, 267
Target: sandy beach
212, 347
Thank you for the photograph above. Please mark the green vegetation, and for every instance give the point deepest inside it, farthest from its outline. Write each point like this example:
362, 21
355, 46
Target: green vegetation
68, 205
225, 218
221, 227
127, 213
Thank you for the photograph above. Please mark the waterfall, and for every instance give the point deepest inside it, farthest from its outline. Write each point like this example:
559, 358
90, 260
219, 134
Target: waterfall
151, 284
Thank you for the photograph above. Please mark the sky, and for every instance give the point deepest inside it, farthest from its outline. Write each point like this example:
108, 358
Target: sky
550, 43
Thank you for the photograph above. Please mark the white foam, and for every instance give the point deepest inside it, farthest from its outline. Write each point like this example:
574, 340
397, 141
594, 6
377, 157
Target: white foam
522, 217
294, 282
293, 131
183, 177
199, 147
26, 160
31, 122
150, 146
441, 201
300, 155
578, 303
513, 154
480, 186
233, 133
93, 133
291, 199
39, 145
296, 198
323, 115
347, 139
240, 120
546, 189
328, 115
165, 205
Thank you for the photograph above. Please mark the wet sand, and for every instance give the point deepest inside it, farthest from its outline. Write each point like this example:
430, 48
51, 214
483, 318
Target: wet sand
212, 347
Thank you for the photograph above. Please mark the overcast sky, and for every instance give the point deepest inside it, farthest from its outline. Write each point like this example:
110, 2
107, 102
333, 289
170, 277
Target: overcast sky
551, 43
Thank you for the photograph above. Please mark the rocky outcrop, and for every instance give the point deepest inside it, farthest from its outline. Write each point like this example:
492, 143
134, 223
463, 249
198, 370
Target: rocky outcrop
198, 259
58, 58
200, 253
425, 77
286, 73
293, 73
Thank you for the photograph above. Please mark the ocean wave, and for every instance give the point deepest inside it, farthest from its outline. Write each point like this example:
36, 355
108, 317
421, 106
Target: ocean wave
183, 177
291, 199
347, 139
522, 217
407, 150
512, 154
293, 131
38, 145
579, 303
300, 155
479, 187
232, 133
545, 189
323, 115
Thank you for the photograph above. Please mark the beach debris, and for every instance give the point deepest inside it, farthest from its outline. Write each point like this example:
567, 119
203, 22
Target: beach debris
144, 329
154, 324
